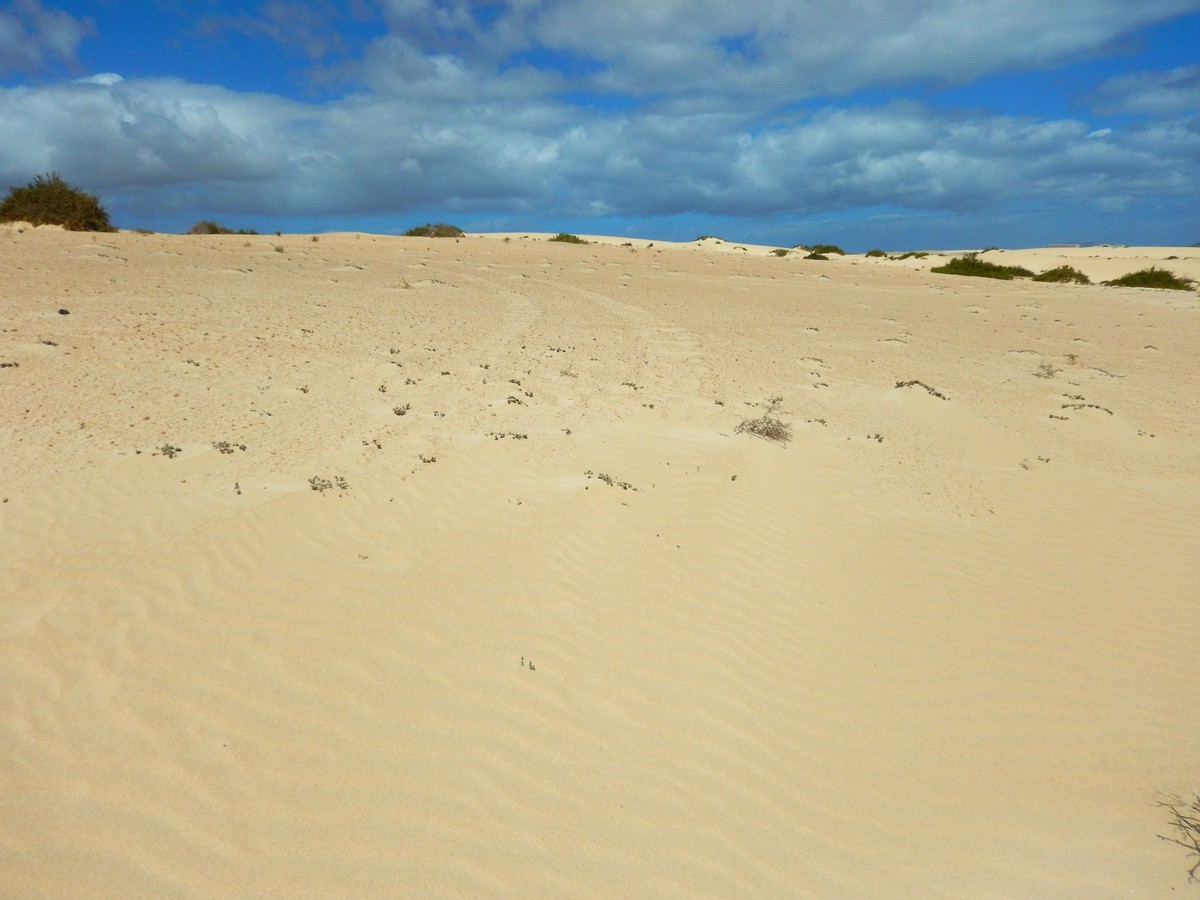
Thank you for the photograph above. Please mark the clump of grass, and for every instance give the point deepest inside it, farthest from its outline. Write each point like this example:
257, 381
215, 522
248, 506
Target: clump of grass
816, 255
563, 238
779, 251
972, 265
1062, 275
206, 226
768, 426
48, 200
876, 253
911, 254
1152, 278
438, 230
708, 237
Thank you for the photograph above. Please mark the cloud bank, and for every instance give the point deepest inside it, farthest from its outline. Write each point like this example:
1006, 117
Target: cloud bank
619, 110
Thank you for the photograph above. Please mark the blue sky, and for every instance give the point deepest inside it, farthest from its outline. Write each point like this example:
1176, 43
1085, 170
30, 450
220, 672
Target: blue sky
869, 123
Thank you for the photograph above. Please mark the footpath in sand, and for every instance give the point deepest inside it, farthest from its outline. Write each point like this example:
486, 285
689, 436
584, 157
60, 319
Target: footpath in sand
360, 566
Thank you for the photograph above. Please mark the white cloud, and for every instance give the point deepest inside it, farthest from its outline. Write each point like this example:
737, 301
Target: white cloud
447, 113
33, 37
770, 52
173, 144
1151, 93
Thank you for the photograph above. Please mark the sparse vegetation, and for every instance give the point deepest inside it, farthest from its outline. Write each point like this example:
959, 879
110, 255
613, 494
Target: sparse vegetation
1152, 278
1185, 825
824, 249
911, 254
206, 226
972, 265
48, 200
1063, 274
815, 255
768, 426
564, 238
610, 481
933, 392
437, 230
321, 485
779, 251
876, 253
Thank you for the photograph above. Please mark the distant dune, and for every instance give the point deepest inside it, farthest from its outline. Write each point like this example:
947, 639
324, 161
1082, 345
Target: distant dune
361, 566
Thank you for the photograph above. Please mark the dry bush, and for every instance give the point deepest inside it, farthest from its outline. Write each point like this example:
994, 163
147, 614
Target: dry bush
768, 426
1185, 825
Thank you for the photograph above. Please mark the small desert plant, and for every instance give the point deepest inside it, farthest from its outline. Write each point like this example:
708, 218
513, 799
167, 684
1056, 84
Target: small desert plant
1063, 274
1185, 822
768, 426
911, 254
1045, 370
709, 237
972, 265
827, 249
876, 253
1152, 278
48, 200
564, 238
439, 229
816, 255
205, 226
779, 251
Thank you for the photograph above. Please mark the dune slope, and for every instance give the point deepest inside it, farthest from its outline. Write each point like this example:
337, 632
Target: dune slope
374, 566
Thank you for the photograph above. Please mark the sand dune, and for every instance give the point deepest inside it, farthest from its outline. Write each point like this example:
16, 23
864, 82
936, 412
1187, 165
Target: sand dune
379, 567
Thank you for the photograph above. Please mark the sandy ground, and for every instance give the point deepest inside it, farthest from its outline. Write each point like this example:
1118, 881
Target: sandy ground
485, 595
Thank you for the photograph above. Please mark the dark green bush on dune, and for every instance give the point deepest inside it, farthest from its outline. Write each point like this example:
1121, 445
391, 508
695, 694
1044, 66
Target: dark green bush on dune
204, 226
439, 229
564, 238
1063, 274
48, 200
821, 249
1152, 278
875, 253
972, 265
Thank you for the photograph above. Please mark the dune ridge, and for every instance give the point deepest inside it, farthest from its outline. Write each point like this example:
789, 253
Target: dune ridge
267, 635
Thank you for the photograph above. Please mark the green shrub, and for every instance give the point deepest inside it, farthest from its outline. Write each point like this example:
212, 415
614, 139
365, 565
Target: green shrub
564, 238
440, 230
1153, 278
1063, 274
779, 251
708, 237
816, 255
48, 200
911, 254
204, 226
876, 253
827, 249
972, 265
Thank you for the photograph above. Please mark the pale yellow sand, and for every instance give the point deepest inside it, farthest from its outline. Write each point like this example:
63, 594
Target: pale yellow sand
932, 647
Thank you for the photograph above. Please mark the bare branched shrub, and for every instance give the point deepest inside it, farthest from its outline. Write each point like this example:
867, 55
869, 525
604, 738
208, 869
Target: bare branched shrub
768, 426
1185, 827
